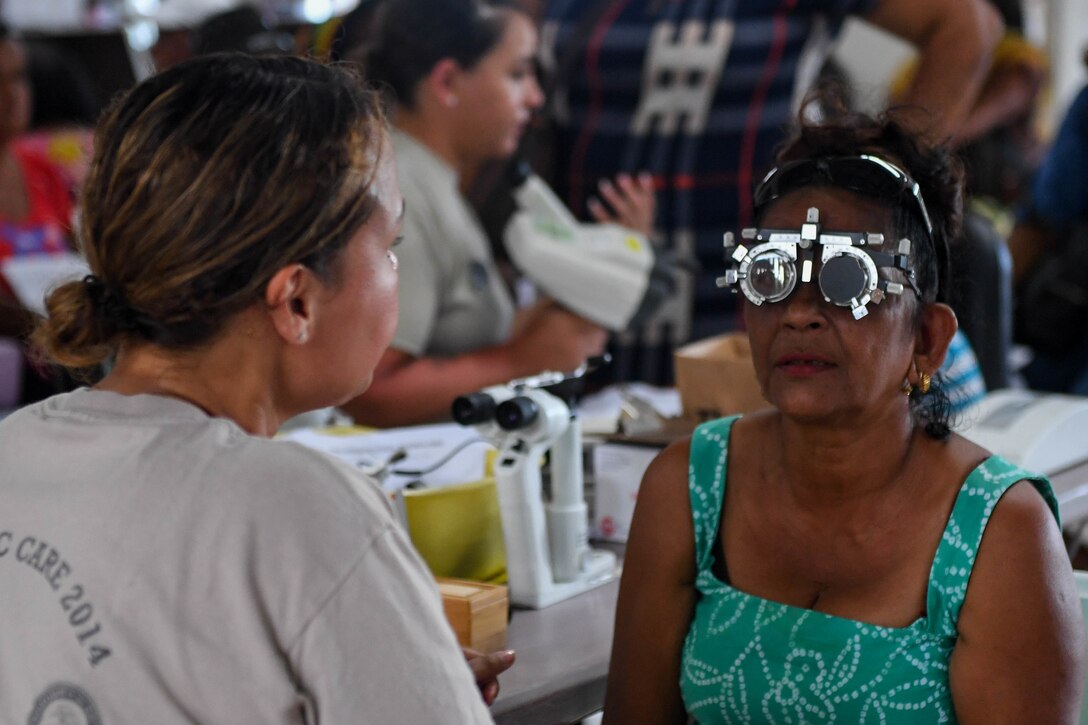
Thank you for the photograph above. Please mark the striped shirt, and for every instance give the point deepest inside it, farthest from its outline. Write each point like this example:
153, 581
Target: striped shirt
961, 376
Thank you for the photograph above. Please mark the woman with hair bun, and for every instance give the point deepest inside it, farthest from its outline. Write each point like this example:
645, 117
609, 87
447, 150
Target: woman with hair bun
162, 560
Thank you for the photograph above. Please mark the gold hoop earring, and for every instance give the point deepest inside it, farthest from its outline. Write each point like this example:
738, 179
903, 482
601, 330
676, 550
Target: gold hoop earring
924, 382
906, 388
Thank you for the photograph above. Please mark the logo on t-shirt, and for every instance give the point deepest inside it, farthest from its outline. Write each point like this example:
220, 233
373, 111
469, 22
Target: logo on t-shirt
477, 275
63, 703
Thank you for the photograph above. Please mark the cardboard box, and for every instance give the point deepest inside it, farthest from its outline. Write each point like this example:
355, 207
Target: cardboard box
477, 612
715, 377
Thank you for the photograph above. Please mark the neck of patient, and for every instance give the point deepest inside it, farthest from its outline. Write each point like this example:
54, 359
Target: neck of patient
828, 465
227, 378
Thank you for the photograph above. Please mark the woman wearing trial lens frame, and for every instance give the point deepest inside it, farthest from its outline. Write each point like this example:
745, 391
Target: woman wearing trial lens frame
843, 556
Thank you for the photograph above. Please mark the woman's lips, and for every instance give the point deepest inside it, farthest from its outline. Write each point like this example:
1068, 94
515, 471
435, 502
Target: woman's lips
803, 365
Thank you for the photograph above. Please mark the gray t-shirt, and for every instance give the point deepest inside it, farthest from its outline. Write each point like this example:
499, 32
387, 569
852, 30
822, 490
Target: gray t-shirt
160, 566
452, 298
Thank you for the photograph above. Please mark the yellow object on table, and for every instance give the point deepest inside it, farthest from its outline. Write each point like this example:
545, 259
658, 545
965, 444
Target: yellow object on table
477, 612
458, 530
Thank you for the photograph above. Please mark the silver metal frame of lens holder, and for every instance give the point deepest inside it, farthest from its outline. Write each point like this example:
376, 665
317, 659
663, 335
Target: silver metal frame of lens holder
833, 244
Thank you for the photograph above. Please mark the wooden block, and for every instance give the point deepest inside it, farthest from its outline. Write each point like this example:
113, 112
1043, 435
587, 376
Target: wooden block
476, 611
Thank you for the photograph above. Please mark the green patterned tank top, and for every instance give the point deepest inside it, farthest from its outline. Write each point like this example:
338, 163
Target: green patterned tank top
752, 660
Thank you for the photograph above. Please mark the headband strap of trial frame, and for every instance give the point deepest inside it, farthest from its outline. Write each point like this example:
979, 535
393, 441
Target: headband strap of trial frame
824, 164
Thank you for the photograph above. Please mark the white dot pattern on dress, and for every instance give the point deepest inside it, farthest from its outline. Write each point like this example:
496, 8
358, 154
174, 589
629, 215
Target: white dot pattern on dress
751, 660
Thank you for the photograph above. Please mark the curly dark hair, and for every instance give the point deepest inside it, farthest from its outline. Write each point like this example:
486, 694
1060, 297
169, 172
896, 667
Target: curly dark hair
940, 176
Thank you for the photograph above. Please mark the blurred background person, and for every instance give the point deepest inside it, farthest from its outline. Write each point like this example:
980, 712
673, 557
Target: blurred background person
190, 28
1001, 148
998, 139
64, 109
35, 218
1049, 247
462, 75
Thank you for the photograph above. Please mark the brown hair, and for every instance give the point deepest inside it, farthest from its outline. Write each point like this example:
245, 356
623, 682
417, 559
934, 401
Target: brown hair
207, 179
410, 37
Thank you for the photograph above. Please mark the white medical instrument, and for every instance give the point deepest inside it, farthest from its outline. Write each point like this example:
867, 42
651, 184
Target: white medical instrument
548, 557
605, 273
1042, 432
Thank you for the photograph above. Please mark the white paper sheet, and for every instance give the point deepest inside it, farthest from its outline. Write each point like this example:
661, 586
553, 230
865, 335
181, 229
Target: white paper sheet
424, 446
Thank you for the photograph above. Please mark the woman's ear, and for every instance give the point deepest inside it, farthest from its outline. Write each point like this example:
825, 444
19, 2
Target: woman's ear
289, 297
938, 326
442, 82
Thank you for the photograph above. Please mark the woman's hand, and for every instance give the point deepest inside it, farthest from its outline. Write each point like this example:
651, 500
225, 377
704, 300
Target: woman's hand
487, 668
631, 202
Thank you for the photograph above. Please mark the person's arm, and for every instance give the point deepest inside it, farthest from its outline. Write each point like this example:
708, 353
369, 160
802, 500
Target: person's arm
657, 598
408, 390
1008, 94
1020, 653
955, 41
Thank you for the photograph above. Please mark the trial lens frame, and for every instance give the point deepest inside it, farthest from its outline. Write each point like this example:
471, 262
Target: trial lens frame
849, 276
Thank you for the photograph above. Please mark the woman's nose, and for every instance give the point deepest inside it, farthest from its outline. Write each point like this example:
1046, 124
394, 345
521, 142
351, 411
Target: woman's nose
804, 308
534, 98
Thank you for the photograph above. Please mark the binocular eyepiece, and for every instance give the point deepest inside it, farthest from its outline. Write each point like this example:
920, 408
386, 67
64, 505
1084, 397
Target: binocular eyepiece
473, 408
516, 413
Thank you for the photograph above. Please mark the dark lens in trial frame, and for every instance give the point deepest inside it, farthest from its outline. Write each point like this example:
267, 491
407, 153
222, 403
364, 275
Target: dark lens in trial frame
842, 278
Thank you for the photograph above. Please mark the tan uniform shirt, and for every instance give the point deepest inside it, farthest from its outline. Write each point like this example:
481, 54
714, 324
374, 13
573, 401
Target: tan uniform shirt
452, 297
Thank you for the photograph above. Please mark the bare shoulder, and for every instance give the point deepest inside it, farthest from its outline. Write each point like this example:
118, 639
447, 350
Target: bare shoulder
1021, 514
964, 449
664, 486
1021, 518
1022, 538
669, 467
662, 530
1021, 637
